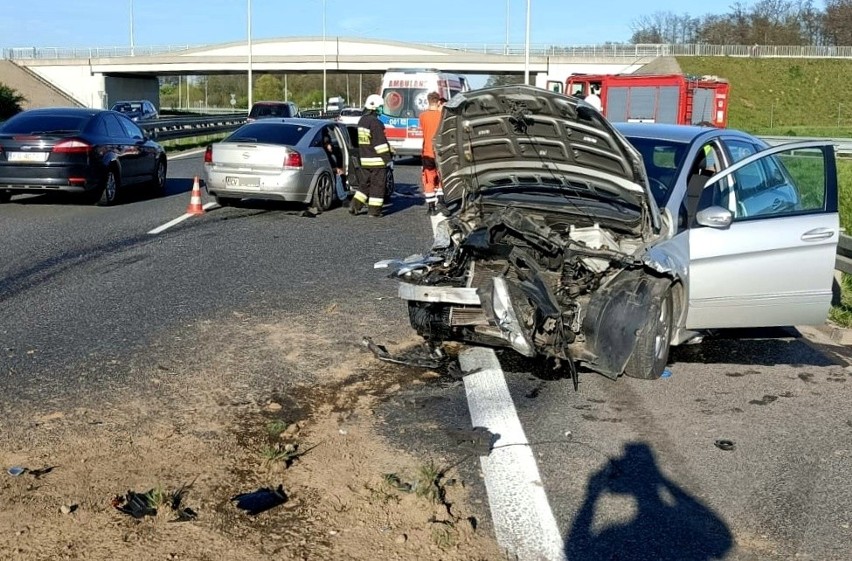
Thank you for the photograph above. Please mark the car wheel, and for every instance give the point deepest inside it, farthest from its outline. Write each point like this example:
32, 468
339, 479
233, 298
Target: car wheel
323, 193
651, 353
390, 185
109, 188
225, 201
5, 197
159, 179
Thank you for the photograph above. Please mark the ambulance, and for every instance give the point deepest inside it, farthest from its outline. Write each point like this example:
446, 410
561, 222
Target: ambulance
404, 91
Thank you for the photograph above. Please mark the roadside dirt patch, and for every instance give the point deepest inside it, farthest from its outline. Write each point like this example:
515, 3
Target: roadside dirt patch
229, 426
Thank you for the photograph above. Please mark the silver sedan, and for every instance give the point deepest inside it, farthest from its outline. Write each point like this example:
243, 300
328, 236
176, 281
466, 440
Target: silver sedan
284, 160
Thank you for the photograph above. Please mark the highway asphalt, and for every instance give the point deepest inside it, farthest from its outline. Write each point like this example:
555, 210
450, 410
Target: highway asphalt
630, 468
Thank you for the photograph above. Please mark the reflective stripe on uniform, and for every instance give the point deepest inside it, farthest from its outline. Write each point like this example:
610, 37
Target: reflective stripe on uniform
372, 163
382, 148
360, 197
364, 136
376, 201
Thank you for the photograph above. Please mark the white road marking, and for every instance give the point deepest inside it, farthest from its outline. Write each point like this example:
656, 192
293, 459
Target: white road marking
188, 154
179, 219
523, 521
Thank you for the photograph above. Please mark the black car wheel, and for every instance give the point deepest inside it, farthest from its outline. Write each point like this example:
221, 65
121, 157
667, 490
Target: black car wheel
651, 353
323, 193
109, 188
5, 197
159, 179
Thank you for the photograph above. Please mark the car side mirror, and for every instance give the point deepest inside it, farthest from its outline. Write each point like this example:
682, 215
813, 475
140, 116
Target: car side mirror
714, 217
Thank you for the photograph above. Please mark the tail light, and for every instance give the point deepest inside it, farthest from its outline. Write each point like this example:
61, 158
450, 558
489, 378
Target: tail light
293, 161
208, 155
72, 147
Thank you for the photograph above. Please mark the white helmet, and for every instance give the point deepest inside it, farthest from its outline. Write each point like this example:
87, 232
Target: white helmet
373, 102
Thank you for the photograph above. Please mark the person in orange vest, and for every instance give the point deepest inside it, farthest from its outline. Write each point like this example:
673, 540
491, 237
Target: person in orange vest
429, 121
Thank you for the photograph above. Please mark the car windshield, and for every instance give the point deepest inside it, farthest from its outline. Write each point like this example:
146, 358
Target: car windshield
270, 110
24, 123
270, 133
663, 160
127, 107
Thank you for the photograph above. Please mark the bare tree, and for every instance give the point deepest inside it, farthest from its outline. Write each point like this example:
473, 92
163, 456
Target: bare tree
838, 22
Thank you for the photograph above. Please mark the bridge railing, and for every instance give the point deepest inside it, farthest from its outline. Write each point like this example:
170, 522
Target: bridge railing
52, 53
620, 50
652, 49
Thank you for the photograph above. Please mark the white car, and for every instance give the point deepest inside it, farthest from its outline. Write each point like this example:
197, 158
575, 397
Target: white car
350, 115
575, 241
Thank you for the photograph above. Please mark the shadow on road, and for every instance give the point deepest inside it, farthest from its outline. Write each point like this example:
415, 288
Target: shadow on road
752, 347
668, 524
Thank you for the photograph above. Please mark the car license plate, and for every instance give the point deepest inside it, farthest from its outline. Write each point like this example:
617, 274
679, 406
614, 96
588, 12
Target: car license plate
26, 156
231, 181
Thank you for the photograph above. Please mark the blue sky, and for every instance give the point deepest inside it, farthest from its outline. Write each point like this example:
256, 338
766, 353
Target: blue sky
96, 23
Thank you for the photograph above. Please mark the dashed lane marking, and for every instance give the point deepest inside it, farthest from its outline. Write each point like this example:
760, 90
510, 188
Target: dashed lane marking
188, 154
179, 219
523, 521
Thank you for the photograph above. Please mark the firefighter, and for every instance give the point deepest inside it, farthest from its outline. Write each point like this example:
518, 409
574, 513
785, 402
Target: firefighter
375, 154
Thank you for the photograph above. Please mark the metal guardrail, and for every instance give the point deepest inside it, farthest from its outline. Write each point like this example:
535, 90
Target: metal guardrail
186, 127
844, 145
843, 262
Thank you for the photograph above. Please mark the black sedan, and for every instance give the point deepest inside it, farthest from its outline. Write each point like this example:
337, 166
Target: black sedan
93, 152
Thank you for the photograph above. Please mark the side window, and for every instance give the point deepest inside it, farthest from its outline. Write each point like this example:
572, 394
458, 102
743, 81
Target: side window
130, 128
783, 184
114, 128
739, 149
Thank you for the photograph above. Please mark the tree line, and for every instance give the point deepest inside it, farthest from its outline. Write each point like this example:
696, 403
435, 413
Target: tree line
303, 89
764, 22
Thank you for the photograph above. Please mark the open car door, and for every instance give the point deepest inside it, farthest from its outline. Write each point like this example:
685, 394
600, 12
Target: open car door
763, 250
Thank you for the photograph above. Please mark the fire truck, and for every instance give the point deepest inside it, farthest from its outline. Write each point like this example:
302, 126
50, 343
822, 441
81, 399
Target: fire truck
661, 98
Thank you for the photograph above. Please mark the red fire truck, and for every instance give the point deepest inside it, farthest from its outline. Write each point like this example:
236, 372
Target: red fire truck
664, 98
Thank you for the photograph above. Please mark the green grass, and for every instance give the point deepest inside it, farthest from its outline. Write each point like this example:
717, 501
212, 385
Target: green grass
842, 314
789, 97
179, 144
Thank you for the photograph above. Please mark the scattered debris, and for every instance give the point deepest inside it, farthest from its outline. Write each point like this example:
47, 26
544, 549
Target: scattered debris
67, 509
726, 445
15, 471
155, 501
424, 356
273, 406
38, 473
666, 373
261, 500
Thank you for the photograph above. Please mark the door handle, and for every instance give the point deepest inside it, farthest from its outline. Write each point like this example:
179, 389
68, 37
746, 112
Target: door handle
817, 234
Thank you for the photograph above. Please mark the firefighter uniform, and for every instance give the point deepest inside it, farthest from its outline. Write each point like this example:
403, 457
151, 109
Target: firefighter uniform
375, 154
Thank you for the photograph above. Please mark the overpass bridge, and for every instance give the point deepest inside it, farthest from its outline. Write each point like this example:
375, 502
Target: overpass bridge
94, 76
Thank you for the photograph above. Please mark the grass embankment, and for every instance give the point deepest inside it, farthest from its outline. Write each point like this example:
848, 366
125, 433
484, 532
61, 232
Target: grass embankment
784, 96
792, 97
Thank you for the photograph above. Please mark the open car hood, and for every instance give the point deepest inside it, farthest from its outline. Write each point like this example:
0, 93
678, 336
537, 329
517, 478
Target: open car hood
517, 136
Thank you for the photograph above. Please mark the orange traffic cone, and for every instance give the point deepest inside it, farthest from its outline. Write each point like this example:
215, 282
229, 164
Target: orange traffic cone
195, 207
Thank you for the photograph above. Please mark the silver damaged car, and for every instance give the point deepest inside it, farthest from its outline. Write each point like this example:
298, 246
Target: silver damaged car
557, 247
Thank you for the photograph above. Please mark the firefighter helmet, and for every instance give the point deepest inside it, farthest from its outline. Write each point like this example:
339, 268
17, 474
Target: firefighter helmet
373, 102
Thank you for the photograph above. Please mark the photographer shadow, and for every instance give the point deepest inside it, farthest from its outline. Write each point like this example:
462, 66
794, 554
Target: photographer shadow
668, 524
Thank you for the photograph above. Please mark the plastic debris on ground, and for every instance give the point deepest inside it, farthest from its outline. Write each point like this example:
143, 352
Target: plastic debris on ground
726, 445
666, 373
150, 503
422, 357
261, 500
